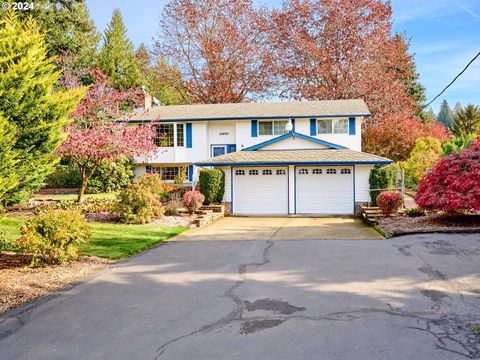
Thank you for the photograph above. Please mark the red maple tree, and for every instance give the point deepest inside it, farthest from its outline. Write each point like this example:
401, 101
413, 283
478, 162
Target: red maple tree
454, 183
220, 49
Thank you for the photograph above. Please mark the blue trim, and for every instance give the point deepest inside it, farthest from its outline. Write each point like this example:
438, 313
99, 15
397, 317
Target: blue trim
254, 128
189, 135
244, 118
231, 148
354, 189
313, 127
190, 172
293, 134
293, 124
351, 126
279, 163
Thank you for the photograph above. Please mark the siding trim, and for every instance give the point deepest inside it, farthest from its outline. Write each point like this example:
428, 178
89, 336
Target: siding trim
254, 124
188, 131
313, 127
293, 134
351, 126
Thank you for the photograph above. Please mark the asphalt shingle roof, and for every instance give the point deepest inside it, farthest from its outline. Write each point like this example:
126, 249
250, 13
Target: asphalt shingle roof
353, 107
272, 157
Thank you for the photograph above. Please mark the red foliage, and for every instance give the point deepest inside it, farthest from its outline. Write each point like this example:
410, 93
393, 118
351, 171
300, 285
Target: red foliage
342, 49
193, 200
454, 183
389, 202
219, 47
395, 137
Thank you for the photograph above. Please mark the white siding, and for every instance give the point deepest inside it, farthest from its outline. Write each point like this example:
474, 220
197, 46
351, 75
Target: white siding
293, 143
221, 132
140, 170
227, 196
362, 173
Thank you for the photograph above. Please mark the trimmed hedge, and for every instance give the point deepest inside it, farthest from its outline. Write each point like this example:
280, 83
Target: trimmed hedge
212, 185
380, 178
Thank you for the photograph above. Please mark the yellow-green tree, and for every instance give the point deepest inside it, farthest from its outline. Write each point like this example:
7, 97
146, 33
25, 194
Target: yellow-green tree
32, 107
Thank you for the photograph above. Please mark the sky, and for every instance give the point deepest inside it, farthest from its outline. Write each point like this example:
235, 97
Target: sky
444, 36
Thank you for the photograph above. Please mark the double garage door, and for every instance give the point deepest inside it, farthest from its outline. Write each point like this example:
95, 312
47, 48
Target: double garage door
315, 190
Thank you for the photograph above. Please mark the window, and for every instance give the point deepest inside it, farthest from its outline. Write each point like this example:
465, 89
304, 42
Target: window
218, 150
332, 126
316, 171
167, 173
267, 172
253, 172
240, 172
345, 171
164, 135
180, 135
281, 172
302, 171
272, 127
331, 171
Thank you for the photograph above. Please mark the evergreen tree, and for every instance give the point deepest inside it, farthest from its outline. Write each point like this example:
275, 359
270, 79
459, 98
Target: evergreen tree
29, 103
445, 116
457, 108
68, 29
416, 91
8, 159
116, 56
467, 121
431, 115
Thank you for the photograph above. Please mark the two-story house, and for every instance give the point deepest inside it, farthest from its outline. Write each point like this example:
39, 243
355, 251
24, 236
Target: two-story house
300, 157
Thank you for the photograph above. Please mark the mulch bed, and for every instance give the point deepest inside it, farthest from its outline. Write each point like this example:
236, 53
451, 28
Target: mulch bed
403, 225
20, 283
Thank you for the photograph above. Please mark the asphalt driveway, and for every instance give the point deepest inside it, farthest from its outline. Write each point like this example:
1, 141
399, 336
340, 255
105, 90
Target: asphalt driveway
415, 297
284, 228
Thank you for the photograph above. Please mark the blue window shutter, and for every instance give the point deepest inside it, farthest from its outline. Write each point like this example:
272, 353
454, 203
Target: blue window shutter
231, 148
313, 127
189, 135
351, 126
190, 172
254, 128
293, 125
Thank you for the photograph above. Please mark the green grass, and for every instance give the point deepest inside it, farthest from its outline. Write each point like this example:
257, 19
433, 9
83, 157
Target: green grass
112, 241
63, 197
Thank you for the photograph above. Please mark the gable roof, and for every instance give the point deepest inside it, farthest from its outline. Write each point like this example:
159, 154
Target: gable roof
295, 157
292, 134
266, 110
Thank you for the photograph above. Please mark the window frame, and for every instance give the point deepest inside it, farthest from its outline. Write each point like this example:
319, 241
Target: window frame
152, 169
219, 146
182, 126
273, 132
175, 133
333, 124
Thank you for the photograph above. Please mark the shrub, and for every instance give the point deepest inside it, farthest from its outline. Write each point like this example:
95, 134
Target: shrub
457, 144
389, 202
453, 184
64, 176
414, 212
380, 178
180, 178
141, 201
212, 185
193, 200
53, 236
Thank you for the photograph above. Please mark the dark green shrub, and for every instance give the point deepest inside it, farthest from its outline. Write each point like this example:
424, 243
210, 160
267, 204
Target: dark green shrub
53, 236
141, 201
380, 178
212, 185
414, 212
64, 176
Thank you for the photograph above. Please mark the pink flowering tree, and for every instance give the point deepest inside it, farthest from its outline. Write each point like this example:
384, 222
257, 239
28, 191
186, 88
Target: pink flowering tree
89, 147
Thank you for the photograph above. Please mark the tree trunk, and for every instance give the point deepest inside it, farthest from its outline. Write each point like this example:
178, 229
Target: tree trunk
83, 187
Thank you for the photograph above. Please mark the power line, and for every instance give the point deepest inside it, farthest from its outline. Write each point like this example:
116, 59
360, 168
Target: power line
455, 78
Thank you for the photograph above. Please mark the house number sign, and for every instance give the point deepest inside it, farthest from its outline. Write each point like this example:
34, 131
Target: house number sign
223, 133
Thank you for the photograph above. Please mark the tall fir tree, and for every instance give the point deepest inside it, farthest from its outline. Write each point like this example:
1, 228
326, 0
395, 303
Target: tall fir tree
68, 28
467, 121
8, 159
431, 115
458, 107
445, 116
29, 102
416, 91
117, 57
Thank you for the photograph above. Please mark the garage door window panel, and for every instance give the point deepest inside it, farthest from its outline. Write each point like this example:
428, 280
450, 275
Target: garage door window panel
266, 172
302, 171
239, 172
316, 171
253, 172
281, 172
345, 171
331, 171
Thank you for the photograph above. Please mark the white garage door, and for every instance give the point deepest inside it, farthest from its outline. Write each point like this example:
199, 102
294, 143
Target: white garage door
260, 190
324, 190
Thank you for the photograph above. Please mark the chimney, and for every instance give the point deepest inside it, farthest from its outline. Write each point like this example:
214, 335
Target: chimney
147, 99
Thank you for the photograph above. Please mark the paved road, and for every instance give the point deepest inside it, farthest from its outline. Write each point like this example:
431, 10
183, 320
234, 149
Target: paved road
414, 297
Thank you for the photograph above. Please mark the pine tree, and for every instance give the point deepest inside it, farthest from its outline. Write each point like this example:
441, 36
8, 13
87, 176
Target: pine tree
29, 103
445, 116
116, 56
431, 115
467, 121
416, 91
457, 108
8, 159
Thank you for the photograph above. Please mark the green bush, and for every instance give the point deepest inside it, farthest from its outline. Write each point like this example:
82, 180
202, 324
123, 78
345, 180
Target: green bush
414, 212
380, 178
53, 236
457, 144
212, 185
64, 176
141, 201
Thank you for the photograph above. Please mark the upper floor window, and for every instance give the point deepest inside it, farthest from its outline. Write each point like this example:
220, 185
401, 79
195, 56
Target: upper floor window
169, 135
332, 126
272, 127
180, 134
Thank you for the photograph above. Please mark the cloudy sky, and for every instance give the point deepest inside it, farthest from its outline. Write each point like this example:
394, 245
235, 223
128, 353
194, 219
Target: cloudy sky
444, 36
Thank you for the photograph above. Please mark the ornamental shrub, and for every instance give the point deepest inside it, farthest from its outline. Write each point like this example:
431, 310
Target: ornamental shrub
380, 178
53, 236
414, 212
453, 185
457, 144
193, 200
141, 201
212, 185
389, 202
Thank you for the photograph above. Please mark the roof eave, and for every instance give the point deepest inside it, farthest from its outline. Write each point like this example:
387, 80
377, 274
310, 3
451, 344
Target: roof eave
246, 163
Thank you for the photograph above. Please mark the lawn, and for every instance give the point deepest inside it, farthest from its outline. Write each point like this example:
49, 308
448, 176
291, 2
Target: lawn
63, 197
112, 241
